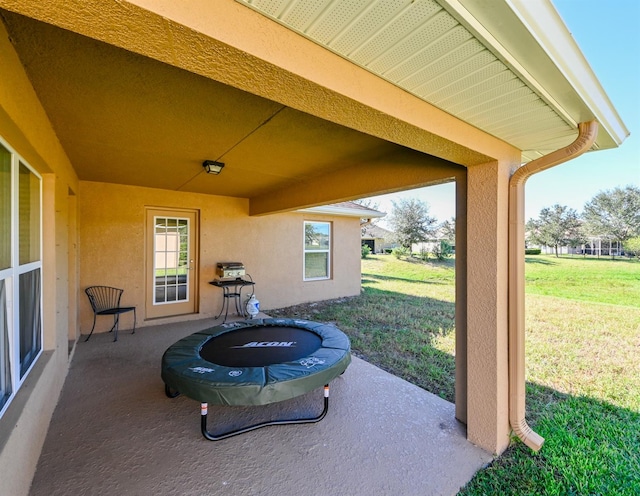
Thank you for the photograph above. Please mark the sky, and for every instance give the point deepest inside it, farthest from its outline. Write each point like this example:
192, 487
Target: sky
608, 33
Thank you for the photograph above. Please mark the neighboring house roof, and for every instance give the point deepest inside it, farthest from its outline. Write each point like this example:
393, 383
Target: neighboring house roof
373, 231
349, 209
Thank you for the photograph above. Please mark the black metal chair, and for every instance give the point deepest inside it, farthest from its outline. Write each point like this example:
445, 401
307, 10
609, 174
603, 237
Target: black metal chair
105, 300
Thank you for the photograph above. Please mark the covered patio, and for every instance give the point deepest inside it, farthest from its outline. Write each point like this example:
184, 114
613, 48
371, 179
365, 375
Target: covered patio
108, 111
115, 432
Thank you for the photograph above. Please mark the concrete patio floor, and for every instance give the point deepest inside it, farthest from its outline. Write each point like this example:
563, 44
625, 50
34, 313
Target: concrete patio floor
114, 432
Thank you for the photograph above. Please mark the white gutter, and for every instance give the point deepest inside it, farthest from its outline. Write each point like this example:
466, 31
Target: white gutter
588, 131
545, 24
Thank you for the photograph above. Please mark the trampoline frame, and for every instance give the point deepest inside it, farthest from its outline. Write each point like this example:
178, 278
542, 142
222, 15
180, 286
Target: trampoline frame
204, 410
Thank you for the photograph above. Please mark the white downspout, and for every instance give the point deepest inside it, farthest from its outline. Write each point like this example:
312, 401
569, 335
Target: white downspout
586, 136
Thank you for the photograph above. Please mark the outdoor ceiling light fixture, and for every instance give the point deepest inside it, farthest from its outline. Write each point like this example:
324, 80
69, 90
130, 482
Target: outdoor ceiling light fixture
212, 167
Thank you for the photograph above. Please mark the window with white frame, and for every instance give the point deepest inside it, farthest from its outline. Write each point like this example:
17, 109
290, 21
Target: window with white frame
20, 272
317, 250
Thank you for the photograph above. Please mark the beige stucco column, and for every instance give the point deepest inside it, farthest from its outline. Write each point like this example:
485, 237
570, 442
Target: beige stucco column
487, 312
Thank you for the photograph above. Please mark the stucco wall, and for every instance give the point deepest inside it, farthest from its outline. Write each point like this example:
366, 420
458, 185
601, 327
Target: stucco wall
112, 247
25, 127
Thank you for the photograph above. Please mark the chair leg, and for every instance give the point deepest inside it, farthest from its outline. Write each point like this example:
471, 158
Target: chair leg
92, 328
134, 321
116, 321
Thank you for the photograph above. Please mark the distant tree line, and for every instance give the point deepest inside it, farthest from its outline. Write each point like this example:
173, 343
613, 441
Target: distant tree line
612, 214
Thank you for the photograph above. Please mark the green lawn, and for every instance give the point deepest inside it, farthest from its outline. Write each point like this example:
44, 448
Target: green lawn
598, 280
583, 363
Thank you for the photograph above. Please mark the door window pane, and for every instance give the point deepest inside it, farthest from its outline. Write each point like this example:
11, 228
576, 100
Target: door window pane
29, 215
171, 260
5, 208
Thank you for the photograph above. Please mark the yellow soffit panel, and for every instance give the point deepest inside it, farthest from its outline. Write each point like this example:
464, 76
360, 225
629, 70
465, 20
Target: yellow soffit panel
420, 47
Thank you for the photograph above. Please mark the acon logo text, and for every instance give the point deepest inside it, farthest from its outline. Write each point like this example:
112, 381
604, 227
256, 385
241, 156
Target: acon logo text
268, 344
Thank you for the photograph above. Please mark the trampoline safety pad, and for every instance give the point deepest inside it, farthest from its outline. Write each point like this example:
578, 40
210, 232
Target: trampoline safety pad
255, 362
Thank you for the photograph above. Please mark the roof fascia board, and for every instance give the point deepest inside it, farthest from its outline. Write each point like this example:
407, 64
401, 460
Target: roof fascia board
544, 22
532, 39
347, 212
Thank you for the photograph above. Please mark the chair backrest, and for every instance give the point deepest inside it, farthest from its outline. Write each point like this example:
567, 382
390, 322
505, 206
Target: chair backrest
103, 297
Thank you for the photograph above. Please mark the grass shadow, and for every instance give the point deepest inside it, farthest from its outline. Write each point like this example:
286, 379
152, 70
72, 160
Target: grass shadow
378, 277
601, 259
448, 263
541, 261
377, 258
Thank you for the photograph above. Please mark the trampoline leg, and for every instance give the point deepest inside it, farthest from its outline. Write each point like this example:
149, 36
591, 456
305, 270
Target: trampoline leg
167, 391
212, 437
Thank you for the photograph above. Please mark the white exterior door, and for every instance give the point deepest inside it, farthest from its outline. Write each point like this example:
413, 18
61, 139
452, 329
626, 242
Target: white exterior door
171, 237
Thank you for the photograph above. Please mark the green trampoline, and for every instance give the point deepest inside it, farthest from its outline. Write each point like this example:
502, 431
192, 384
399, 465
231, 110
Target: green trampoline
255, 362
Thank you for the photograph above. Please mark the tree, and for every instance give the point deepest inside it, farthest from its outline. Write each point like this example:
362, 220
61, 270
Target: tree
614, 213
447, 230
442, 249
411, 222
557, 226
632, 246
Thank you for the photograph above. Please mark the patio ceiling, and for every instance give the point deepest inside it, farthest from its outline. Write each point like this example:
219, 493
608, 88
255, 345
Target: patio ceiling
128, 119
141, 92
